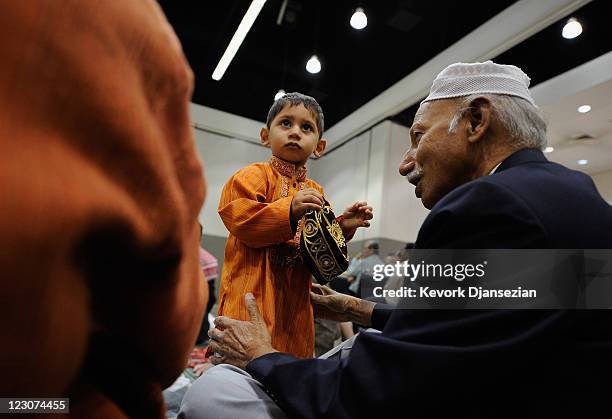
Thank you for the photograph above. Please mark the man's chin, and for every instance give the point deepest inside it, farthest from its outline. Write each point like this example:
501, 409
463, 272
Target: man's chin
418, 192
426, 200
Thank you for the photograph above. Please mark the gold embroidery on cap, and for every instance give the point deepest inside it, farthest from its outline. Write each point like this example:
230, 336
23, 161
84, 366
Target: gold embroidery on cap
318, 248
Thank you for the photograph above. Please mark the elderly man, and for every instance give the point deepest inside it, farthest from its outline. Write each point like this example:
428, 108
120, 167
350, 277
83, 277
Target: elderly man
475, 160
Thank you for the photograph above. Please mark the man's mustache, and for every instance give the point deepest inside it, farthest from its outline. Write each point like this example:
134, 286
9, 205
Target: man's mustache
414, 175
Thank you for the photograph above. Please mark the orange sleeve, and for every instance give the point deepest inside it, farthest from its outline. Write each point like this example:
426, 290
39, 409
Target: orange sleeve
248, 217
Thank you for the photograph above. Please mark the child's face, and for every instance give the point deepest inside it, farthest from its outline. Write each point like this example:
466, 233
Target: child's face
293, 135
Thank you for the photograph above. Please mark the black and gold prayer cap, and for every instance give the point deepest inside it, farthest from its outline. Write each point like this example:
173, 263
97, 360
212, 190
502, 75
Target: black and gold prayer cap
323, 245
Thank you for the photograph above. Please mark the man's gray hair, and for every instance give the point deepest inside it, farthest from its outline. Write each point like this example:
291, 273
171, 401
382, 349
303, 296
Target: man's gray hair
523, 121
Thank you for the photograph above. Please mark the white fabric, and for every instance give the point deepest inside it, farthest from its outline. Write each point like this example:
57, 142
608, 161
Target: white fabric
465, 79
227, 392
494, 169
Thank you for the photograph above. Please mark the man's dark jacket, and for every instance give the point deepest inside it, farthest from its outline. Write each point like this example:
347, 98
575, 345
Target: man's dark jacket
478, 362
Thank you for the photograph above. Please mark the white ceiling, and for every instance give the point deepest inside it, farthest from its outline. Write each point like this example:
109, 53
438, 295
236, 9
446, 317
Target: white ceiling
566, 125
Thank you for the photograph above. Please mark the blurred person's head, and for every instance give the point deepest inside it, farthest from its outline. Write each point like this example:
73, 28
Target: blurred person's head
393, 257
101, 189
370, 248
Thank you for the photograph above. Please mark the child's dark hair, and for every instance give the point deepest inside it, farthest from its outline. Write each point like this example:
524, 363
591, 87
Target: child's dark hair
294, 99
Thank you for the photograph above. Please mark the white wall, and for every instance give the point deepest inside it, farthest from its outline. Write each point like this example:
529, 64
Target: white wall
603, 181
379, 139
344, 174
403, 210
367, 168
222, 157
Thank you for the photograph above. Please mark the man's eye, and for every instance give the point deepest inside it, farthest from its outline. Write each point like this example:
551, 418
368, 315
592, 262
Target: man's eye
417, 136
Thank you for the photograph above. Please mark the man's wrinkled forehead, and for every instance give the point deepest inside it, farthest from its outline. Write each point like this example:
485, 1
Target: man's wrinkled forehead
420, 113
429, 112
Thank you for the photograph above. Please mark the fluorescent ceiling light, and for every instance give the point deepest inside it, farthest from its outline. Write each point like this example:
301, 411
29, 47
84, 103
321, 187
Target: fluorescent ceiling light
584, 108
549, 149
583, 162
243, 29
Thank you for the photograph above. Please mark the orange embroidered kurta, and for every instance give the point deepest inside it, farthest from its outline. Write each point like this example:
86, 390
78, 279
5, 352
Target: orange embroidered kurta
261, 254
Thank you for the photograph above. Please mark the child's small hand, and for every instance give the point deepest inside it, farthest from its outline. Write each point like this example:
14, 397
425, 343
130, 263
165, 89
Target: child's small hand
355, 216
305, 200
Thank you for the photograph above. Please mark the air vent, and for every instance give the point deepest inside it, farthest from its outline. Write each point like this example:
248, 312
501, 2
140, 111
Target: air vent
583, 137
404, 21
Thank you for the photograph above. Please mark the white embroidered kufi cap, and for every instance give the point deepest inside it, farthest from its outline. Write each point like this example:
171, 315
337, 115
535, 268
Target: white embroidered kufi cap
465, 79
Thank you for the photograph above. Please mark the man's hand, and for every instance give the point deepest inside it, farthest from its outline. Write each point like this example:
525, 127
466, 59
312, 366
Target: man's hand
331, 305
355, 216
239, 342
305, 200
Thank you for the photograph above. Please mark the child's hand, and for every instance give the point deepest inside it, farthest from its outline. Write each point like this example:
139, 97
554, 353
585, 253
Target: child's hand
355, 216
305, 200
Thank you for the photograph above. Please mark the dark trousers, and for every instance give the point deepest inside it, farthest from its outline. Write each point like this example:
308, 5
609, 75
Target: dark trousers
203, 335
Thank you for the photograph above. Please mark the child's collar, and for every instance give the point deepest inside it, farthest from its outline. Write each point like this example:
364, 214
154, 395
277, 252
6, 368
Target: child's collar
288, 169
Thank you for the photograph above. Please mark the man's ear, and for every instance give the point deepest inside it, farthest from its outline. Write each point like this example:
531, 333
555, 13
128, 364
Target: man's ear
318, 152
479, 118
263, 137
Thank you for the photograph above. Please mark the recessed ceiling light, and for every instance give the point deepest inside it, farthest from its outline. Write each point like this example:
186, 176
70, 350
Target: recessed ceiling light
572, 29
313, 65
582, 162
279, 94
549, 149
584, 108
359, 20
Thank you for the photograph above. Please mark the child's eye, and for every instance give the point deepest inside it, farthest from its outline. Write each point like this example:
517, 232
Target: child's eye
307, 127
285, 123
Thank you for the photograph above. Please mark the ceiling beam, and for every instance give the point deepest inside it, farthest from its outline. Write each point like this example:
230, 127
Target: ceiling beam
224, 123
573, 81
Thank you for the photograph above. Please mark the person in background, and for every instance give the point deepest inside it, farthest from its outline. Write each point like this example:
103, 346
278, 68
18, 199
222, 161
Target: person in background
362, 268
395, 282
210, 270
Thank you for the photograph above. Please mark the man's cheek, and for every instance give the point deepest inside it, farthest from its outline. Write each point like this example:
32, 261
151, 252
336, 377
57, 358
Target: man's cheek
422, 155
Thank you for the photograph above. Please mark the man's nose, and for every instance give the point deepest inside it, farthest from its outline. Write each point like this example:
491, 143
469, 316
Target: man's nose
408, 162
